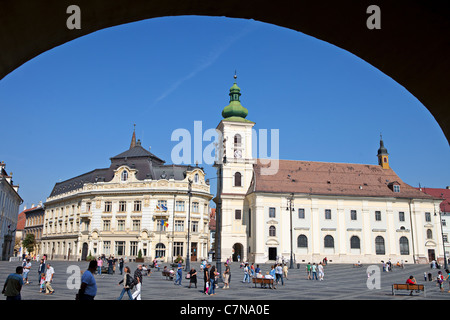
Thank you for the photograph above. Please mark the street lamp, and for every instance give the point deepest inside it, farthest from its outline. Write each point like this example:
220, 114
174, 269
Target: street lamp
290, 200
188, 266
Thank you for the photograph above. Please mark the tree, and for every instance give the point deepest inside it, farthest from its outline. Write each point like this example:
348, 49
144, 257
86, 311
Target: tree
29, 242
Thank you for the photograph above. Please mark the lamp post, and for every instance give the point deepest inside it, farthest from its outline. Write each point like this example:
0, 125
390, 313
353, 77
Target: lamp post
188, 264
290, 200
442, 234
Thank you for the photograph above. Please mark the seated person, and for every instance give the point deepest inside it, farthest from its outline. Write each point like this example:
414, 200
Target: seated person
259, 275
411, 280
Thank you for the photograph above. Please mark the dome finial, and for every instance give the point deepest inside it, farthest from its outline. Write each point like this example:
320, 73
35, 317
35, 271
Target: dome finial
235, 76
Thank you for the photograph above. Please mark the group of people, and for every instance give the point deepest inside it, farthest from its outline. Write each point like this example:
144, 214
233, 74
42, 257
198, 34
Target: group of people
315, 272
14, 282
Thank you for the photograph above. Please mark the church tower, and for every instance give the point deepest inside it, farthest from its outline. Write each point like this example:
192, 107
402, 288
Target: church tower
383, 155
234, 172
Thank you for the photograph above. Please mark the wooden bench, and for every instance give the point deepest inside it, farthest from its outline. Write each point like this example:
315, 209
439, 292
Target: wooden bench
168, 275
263, 282
408, 287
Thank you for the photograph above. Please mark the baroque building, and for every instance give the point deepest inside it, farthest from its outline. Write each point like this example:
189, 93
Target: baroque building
269, 209
137, 205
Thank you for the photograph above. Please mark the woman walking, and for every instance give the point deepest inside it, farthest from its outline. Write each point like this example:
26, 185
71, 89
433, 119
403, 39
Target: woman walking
212, 281
128, 283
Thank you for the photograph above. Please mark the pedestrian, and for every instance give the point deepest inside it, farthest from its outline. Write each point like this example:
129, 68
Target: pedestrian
138, 283
206, 278
279, 274
308, 270
41, 270
110, 265
99, 265
314, 271
212, 281
252, 269
192, 277
88, 287
246, 274
13, 285
26, 270
320, 270
128, 284
121, 265
440, 281
48, 279
179, 273
226, 277
285, 271
447, 277
42, 283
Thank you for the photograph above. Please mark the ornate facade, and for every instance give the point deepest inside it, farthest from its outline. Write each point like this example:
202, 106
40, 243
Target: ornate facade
138, 204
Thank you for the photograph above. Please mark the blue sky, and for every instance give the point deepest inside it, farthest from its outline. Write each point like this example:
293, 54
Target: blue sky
69, 110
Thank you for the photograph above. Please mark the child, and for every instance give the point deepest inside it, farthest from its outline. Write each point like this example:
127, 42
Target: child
42, 283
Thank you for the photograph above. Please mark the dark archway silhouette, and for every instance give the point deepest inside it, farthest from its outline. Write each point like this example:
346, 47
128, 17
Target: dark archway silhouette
411, 47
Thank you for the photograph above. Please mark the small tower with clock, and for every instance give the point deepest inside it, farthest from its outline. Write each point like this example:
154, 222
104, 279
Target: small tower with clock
234, 173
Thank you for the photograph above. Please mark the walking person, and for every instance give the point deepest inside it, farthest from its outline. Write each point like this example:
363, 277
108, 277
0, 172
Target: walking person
285, 271
48, 279
121, 265
138, 283
13, 285
179, 273
26, 270
212, 281
246, 274
308, 270
41, 270
321, 273
88, 287
206, 278
279, 274
314, 271
99, 265
128, 284
226, 277
192, 277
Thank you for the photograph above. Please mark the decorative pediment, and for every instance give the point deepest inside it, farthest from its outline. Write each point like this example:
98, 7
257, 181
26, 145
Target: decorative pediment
272, 241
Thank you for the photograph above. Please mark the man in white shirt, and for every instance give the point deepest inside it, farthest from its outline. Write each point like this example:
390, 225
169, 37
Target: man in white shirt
48, 279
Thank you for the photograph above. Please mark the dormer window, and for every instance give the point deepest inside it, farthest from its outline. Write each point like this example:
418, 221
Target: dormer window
396, 188
196, 178
124, 176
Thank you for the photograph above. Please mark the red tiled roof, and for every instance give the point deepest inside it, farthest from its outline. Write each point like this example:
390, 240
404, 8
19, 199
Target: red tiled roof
325, 178
442, 193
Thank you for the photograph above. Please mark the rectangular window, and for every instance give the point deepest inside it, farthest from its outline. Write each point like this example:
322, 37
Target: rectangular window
179, 225
271, 212
377, 215
301, 213
328, 214
122, 206
136, 225
194, 226
106, 248
108, 206
133, 248
178, 249
195, 207
401, 216
160, 225
120, 225
353, 214
88, 207
427, 217
179, 206
137, 206
120, 248
106, 225
396, 188
238, 214
162, 204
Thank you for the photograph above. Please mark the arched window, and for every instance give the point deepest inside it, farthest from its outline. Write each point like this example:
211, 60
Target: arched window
272, 231
328, 242
429, 234
160, 250
379, 245
237, 140
404, 246
237, 179
355, 243
124, 175
302, 241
